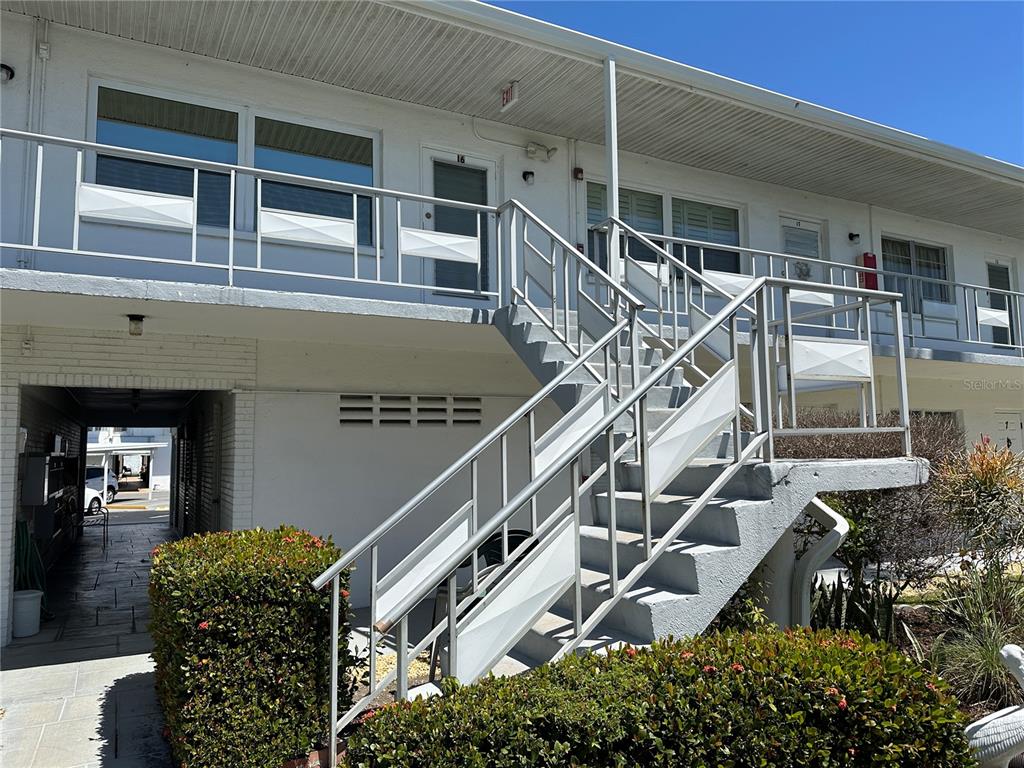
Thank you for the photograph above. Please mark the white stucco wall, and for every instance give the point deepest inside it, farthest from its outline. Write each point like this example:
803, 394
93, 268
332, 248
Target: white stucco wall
344, 479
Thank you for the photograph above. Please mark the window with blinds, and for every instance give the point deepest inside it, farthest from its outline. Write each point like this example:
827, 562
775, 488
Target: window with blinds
710, 223
918, 260
322, 154
139, 121
641, 210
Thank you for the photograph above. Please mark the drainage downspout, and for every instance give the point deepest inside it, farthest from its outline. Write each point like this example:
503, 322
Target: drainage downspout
836, 530
34, 122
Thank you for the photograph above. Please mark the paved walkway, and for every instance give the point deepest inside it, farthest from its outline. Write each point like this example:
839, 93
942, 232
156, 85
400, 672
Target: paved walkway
80, 693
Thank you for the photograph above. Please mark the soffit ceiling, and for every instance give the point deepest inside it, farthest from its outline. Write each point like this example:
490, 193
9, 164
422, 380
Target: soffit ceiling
407, 54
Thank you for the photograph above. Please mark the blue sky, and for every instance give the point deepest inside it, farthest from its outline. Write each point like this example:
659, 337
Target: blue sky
950, 71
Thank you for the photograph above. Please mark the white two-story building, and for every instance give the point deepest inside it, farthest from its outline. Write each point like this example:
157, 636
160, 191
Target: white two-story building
285, 230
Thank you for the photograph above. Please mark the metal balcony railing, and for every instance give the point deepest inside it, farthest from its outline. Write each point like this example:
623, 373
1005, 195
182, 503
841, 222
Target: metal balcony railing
69, 222
936, 312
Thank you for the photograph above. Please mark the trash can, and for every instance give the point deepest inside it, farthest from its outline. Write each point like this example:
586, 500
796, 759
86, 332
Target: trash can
27, 605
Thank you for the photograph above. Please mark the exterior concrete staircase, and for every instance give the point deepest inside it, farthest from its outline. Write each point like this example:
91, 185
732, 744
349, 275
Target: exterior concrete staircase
704, 566
644, 506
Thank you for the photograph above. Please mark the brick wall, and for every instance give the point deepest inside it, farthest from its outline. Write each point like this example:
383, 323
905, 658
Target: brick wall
71, 357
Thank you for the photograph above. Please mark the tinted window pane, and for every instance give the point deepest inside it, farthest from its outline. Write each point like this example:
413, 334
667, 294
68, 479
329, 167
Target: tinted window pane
321, 154
138, 121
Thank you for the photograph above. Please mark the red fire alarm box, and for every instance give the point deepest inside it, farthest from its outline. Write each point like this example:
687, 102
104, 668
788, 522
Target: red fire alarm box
868, 280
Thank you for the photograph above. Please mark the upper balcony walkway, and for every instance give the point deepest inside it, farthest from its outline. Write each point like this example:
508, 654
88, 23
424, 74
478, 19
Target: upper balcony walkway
215, 224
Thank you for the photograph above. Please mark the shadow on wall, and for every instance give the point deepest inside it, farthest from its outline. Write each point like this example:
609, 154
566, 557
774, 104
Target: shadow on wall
131, 725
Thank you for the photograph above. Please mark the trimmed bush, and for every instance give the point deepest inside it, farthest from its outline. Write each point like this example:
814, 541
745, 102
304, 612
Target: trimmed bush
242, 646
766, 698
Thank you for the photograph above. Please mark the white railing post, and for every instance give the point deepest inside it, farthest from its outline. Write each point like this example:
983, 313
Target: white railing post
355, 235
765, 372
259, 223
611, 150
333, 732
374, 559
231, 228
78, 189
453, 626
901, 377
577, 610
195, 213
402, 662
38, 201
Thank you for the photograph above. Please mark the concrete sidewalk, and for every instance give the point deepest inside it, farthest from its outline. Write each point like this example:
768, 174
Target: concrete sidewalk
80, 693
101, 713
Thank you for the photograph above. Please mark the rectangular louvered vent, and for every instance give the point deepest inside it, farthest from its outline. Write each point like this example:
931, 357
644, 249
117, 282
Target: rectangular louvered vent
409, 410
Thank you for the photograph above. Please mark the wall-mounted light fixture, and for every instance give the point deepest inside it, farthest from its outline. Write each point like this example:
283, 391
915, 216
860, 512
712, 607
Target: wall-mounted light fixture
6, 73
135, 324
528, 177
854, 237
577, 174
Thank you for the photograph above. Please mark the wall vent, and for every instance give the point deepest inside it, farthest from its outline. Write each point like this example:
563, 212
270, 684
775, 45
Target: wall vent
409, 410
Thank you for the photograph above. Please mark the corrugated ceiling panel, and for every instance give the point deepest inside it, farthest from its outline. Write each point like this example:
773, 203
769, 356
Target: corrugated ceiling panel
391, 52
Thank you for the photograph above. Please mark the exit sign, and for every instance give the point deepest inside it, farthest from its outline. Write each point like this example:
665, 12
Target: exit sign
509, 95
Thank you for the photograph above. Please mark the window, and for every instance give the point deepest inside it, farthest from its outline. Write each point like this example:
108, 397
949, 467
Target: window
154, 124
640, 210
710, 223
323, 154
916, 259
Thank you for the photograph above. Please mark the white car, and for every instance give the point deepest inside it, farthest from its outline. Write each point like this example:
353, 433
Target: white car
94, 480
93, 501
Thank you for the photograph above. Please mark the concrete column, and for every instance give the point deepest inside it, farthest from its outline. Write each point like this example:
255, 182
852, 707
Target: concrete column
777, 572
611, 149
10, 408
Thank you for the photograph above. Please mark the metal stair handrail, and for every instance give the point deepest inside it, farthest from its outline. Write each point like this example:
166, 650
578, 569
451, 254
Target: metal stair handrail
608, 280
521, 499
350, 556
964, 297
444, 572
553, 527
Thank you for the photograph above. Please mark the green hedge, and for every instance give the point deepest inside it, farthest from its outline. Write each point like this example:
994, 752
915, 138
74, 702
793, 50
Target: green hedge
733, 699
241, 643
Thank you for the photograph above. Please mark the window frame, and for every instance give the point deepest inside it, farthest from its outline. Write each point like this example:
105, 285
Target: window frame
245, 200
912, 242
667, 195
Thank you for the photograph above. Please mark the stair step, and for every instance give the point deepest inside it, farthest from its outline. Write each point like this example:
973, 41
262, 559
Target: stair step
752, 481
721, 447
717, 523
657, 397
641, 613
555, 628
556, 350
678, 570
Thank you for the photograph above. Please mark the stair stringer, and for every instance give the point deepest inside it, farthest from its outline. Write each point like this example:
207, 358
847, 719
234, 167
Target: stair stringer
771, 498
761, 524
